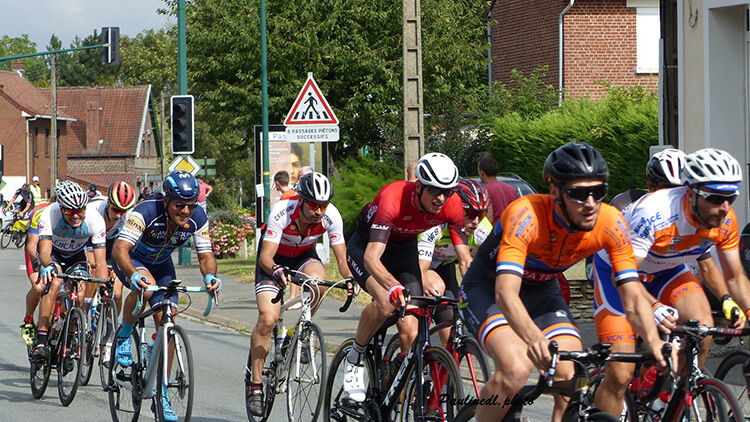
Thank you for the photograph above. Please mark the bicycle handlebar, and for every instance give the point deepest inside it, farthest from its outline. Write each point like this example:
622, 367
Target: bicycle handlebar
430, 301
87, 279
175, 288
701, 331
300, 278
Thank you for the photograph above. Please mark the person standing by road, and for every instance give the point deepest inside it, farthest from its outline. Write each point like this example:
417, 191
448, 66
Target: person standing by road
204, 191
281, 184
501, 193
36, 190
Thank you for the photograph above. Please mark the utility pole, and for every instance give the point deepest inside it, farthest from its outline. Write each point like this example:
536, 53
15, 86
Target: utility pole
53, 125
413, 106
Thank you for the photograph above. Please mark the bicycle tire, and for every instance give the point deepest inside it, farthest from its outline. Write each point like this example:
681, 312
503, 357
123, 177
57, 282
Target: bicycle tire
392, 348
472, 380
466, 414
125, 403
20, 239
438, 364
71, 352
730, 371
106, 334
40, 371
336, 406
6, 237
306, 382
625, 415
87, 362
718, 403
268, 379
180, 382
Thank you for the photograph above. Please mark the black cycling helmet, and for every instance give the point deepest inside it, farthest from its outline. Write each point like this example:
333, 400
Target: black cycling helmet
575, 160
180, 184
315, 187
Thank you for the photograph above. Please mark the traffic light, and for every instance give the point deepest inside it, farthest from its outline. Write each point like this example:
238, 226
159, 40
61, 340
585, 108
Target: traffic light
111, 41
183, 141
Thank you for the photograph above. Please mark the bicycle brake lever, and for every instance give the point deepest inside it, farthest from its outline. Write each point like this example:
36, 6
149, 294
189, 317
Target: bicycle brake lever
279, 296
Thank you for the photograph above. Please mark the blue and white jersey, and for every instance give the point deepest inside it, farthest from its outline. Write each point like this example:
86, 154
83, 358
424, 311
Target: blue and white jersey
67, 241
146, 229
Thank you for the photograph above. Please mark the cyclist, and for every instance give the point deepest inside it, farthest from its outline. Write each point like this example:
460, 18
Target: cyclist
383, 256
669, 228
437, 255
31, 257
64, 230
121, 197
25, 203
512, 282
289, 238
143, 249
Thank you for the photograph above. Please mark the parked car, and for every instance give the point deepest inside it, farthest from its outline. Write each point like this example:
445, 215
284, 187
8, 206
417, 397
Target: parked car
521, 186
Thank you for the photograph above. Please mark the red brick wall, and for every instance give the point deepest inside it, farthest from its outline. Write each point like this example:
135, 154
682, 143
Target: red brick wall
599, 43
101, 165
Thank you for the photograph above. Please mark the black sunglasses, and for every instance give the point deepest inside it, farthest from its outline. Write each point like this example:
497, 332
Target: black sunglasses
581, 194
181, 205
717, 199
437, 191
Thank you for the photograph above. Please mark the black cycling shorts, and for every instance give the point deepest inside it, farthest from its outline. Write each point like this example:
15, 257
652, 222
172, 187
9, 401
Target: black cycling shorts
264, 282
400, 259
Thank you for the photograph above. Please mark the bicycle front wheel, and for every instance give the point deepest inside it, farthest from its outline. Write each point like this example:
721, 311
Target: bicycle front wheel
712, 401
177, 390
89, 352
71, 353
306, 374
6, 237
105, 336
730, 371
441, 385
336, 405
472, 367
124, 384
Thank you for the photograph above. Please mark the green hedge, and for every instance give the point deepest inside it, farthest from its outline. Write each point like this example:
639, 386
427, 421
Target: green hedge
622, 125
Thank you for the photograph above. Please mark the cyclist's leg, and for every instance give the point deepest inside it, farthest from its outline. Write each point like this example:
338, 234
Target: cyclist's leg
268, 314
28, 329
445, 274
311, 265
46, 306
409, 327
122, 344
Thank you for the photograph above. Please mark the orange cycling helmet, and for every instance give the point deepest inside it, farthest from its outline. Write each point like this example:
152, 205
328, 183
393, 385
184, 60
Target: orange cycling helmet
122, 196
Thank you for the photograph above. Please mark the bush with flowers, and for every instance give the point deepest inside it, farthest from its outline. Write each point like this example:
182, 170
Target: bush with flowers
229, 229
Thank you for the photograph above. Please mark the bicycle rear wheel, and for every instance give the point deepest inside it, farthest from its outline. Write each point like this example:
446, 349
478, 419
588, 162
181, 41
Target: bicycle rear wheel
730, 371
40, 371
441, 383
19, 239
306, 381
105, 335
472, 367
6, 237
712, 401
124, 384
180, 384
71, 354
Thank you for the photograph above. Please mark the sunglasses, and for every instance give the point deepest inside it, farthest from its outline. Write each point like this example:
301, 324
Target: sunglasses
472, 213
717, 199
437, 191
181, 205
74, 211
315, 206
581, 194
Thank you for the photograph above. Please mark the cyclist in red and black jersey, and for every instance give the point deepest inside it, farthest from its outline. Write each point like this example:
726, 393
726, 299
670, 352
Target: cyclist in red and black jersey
383, 256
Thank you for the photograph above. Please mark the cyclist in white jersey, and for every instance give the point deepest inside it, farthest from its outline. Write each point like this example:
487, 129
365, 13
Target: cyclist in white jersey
64, 230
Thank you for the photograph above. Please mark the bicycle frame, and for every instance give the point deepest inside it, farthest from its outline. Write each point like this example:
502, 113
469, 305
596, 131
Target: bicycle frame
305, 316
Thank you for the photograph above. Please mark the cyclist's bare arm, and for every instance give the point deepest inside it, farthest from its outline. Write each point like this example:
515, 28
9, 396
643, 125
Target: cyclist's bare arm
265, 260
736, 280
638, 311
121, 255
207, 264
339, 251
100, 262
45, 258
710, 276
668, 322
428, 283
375, 267
32, 241
464, 258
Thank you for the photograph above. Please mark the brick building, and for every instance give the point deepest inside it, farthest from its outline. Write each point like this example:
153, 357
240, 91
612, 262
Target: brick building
614, 41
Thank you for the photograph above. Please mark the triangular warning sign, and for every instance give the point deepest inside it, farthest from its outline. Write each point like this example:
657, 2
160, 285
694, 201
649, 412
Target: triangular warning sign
311, 107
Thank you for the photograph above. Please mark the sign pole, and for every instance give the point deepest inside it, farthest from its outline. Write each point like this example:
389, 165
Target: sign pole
264, 107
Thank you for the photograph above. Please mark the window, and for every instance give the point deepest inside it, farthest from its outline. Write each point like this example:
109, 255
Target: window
648, 32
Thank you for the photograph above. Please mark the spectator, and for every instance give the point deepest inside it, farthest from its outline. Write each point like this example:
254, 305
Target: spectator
204, 191
144, 194
410, 175
93, 193
36, 190
303, 171
501, 194
281, 184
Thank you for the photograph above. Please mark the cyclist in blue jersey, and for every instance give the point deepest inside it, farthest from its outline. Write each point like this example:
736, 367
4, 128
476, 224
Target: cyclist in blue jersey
143, 249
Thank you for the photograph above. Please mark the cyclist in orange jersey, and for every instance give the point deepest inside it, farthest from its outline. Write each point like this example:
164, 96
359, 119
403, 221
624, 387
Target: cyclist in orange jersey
511, 299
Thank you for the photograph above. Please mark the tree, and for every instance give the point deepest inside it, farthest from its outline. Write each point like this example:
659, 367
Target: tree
150, 59
36, 70
84, 67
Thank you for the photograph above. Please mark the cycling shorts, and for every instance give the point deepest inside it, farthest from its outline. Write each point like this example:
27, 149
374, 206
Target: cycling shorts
163, 273
264, 282
67, 262
400, 259
612, 326
543, 301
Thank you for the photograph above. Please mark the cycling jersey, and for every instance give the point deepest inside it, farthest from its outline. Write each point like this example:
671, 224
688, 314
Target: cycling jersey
100, 207
283, 230
435, 245
66, 240
396, 215
146, 228
32, 263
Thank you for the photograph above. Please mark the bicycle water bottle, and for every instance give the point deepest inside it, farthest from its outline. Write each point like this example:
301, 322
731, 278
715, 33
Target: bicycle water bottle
150, 347
280, 342
647, 382
94, 308
660, 402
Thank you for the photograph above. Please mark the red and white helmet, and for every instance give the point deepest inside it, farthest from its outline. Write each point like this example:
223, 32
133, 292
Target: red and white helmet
122, 196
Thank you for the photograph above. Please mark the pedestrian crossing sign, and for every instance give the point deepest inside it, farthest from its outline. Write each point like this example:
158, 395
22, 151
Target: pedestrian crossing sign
311, 107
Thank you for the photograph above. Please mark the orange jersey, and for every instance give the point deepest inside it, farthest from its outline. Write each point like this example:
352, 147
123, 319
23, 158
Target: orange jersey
536, 244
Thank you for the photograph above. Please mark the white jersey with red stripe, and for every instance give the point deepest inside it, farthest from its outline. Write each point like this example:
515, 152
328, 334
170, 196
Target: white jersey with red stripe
282, 228
665, 234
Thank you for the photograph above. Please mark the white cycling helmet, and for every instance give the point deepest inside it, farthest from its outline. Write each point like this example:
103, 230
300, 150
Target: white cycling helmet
315, 187
437, 170
70, 195
664, 167
712, 168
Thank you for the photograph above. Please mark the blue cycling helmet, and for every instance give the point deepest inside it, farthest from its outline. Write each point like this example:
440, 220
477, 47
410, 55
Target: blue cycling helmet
180, 184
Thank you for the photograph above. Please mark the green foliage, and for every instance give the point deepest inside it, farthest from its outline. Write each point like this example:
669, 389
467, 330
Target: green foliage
622, 125
151, 59
358, 181
528, 96
84, 67
226, 238
226, 194
36, 70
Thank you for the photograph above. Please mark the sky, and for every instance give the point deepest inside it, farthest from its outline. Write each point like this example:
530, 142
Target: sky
68, 18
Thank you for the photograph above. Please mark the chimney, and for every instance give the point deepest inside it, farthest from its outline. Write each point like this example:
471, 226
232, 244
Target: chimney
93, 118
19, 68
